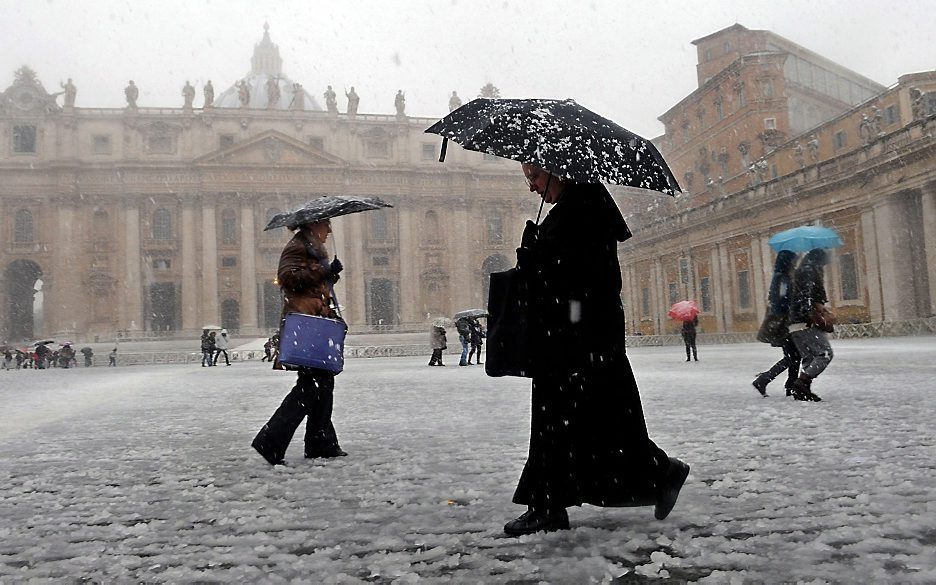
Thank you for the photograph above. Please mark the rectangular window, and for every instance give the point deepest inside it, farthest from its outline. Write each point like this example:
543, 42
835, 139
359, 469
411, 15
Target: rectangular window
101, 144
684, 270
228, 261
495, 231
705, 294
744, 290
770, 123
766, 88
381, 261
890, 114
673, 292
159, 144
428, 152
848, 274
24, 139
225, 141
162, 264
378, 224
317, 142
377, 149
719, 109
841, 140
645, 301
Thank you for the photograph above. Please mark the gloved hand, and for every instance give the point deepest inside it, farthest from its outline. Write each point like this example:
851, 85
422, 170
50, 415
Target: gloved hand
336, 266
530, 231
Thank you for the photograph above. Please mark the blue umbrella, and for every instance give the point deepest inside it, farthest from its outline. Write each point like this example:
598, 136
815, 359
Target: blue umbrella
805, 238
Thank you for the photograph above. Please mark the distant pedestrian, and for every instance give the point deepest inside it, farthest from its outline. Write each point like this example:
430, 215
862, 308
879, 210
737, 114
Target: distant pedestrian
207, 348
689, 337
477, 340
7, 359
221, 346
88, 354
775, 328
464, 337
438, 343
268, 350
112, 358
810, 322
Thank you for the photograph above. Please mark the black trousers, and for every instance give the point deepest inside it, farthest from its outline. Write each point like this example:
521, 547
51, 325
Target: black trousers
790, 362
436, 357
218, 353
310, 398
689, 340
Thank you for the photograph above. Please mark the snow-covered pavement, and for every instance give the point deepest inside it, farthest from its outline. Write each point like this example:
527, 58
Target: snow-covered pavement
146, 474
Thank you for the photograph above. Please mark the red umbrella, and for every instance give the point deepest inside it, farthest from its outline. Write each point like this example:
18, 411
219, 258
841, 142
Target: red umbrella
684, 311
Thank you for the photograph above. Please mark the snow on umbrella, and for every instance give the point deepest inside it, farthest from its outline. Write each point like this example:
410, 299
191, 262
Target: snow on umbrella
212, 327
560, 136
684, 311
325, 207
805, 238
443, 322
470, 313
64, 343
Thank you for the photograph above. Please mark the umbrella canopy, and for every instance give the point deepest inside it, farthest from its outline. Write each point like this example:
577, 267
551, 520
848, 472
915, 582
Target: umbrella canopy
443, 322
684, 311
64, 343
560, 136
86, 350
805, 238
470, 313
46, 342
211, 327
325, 207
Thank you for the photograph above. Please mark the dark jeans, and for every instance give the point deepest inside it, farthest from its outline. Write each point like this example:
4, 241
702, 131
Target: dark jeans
436, 357
218, 353
206, 359
790, 363
311, 397
475, 349
689, 340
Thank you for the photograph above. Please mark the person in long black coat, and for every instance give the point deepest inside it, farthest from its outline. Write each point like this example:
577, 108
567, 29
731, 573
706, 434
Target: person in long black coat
588, 438
778, 308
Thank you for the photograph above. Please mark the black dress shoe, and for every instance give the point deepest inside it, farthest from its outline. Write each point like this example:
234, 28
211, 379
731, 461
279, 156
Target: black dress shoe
533, 521
326, 454
672, 482
268, 456
760, 383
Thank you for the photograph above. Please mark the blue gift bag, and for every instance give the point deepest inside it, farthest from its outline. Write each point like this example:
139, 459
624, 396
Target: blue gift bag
310, 341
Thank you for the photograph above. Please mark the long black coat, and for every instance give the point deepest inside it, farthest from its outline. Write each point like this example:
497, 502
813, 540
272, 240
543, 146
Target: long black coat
808, 287
588, 438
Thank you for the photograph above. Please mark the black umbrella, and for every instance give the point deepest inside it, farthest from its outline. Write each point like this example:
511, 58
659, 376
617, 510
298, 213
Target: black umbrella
470, 313
560, 136
325, 207
46, 342
86, 350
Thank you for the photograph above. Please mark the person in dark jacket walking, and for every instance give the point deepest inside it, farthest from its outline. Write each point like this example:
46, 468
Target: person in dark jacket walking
776, 324
464, 337
207, 349
477, 340
306, 277
268, 350
588, 438
812, 342
689, 337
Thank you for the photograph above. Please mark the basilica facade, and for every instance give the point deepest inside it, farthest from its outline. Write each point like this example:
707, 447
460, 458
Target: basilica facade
146, 221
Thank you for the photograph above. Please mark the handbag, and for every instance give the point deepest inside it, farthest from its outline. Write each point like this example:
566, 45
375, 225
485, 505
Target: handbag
773, 330
508, 345
312, 341
820, 316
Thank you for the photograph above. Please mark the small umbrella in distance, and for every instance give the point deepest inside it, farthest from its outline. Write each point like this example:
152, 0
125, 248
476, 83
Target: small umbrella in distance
325, 207
805, 238
443, 322
470, 313
684, 311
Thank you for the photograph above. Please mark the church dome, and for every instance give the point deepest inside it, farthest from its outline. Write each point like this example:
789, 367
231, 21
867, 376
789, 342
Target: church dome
265, 71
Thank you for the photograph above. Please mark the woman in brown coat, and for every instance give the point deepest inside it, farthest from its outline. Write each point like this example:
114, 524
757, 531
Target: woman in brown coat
306, 278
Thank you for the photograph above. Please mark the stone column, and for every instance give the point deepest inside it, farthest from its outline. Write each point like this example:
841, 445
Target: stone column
409, 276
759, 274
356, 300
894, 262
210, 305
871, 275
66, 318
657, 297
928, 204
132, 314
727, 279
462, 274
189, 284
248, 262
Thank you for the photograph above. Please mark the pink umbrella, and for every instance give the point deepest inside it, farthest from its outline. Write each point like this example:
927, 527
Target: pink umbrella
684, 311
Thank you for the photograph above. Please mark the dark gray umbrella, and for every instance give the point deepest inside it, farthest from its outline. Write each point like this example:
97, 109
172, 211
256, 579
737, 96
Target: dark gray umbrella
325, 207
470, 313
560, 136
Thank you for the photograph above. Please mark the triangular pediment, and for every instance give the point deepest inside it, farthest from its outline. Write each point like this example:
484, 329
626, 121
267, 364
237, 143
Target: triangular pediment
271, 148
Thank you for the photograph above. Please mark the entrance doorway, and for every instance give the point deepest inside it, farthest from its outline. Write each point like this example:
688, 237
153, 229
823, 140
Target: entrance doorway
381, 303
165, 306
23, 316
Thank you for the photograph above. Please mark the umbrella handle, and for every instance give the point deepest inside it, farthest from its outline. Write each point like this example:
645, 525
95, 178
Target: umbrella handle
444, 148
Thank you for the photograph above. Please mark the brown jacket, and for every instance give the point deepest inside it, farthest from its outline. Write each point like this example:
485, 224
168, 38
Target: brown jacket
306, 279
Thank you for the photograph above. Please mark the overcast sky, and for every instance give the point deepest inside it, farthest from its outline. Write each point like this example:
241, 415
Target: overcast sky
629, 61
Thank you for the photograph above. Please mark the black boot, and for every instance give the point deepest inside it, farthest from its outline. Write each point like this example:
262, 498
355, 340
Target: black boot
538, 521
760, 383
669, 487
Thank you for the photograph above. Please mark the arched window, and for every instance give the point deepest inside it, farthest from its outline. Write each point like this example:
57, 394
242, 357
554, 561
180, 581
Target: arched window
162, 224
229, 226
431, 233
23, 230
